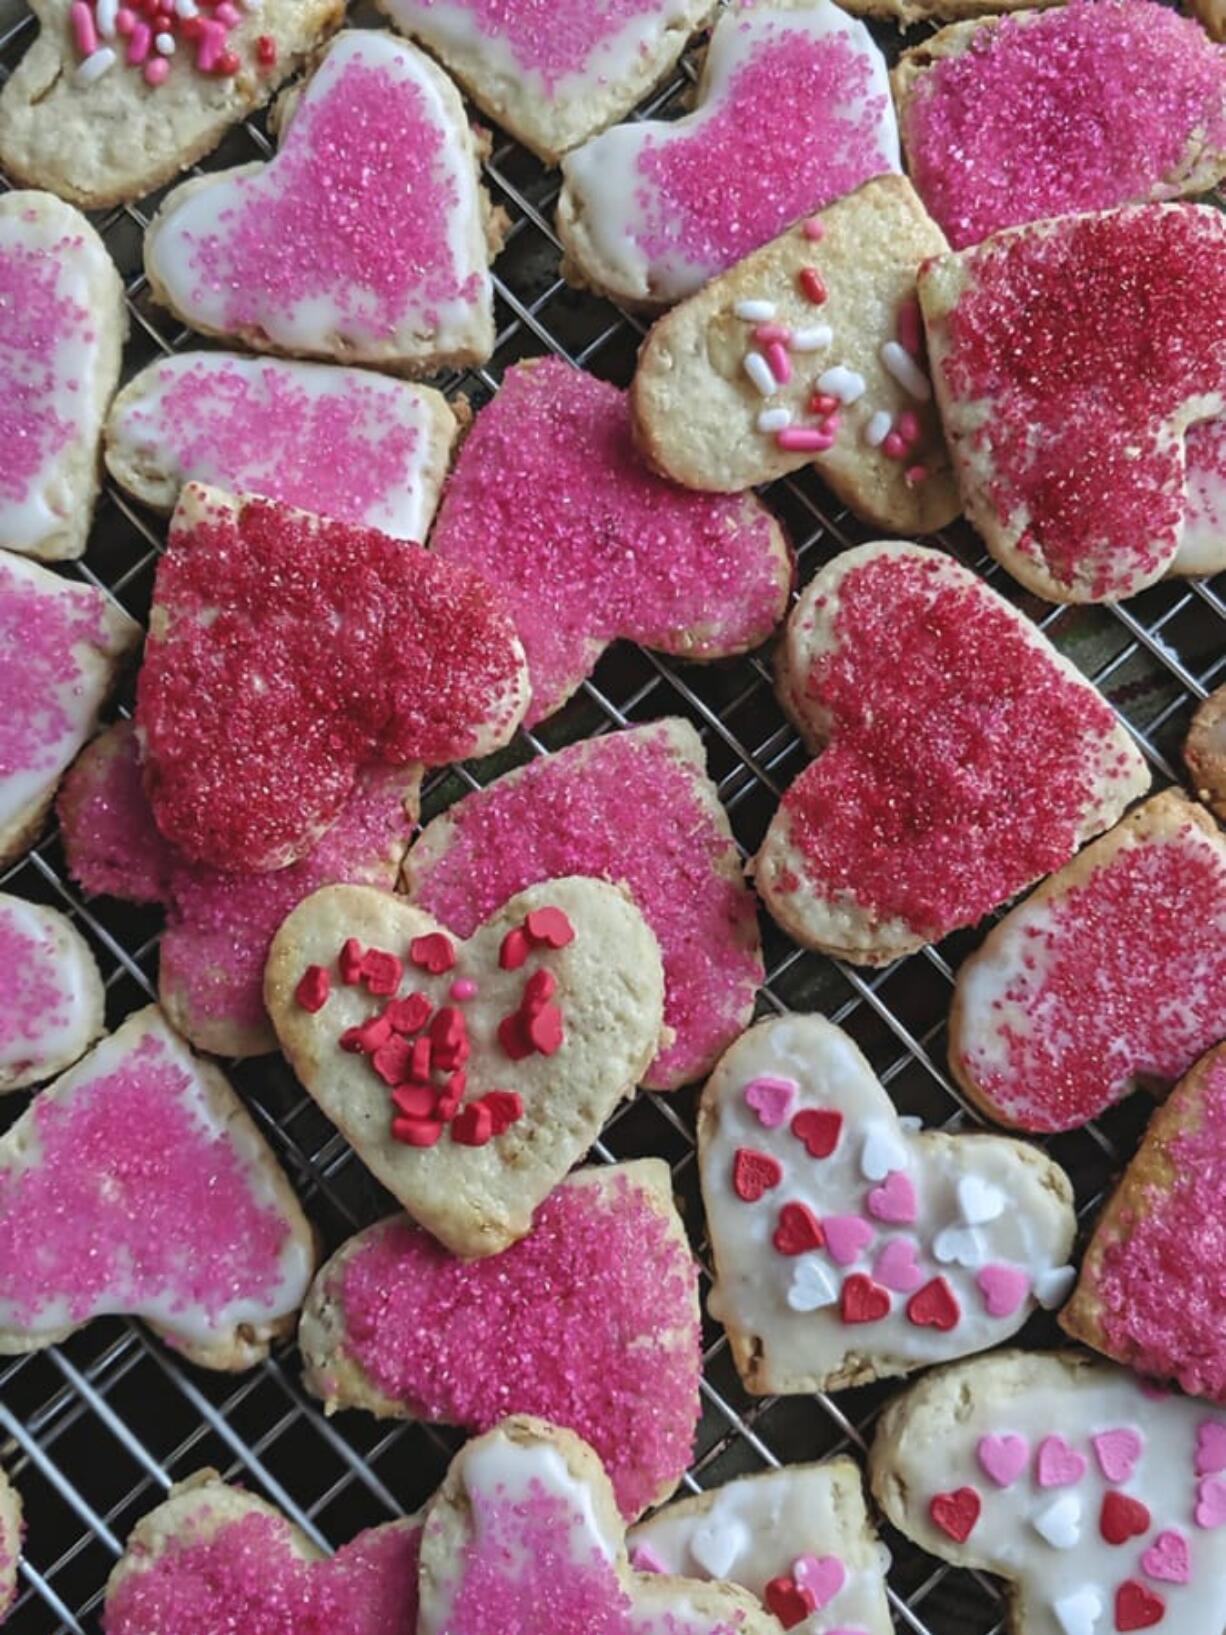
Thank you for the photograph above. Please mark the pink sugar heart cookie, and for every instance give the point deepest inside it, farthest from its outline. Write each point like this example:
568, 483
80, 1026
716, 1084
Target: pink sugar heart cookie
219, 925
212, 1557
591, 1322
550, 502
137, 1184
1119, 103
251, 743
897, 835
367, 237
1094, 507
634, 808
342, 443
1040, 1049
51, 996
793, 110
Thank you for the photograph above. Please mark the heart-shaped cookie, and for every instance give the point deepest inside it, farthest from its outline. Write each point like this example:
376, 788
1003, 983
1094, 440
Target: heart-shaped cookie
468, 1076
1204, 752
219, 926
1070, 359
365, 240
793, 110
212, 1557
635, 808
342, 443
1112, 973
524, 1535
553, 76
1150, 1293
110, 103
61, 645
10, 1542
590, 1321
961, 756
798, 1538
62, 328
911, 1233
137, 1184
551, 503
51, 999
1119, 103
809, 352
286, 652
1111, 1549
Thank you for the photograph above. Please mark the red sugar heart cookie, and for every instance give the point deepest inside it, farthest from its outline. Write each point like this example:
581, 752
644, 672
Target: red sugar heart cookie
285, 653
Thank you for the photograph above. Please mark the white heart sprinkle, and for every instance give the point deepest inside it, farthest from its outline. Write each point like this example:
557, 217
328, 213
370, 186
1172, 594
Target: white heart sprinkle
1078, 1614
716, 1545
882, 1151
1060, 1523
1052, 1288
958, 1246
812, 1286
979, 1201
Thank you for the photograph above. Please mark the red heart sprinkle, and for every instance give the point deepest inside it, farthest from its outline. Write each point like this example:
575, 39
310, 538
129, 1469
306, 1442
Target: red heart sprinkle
349, 961
433, 952
934, 1306
410, 1014
367, 1038
862, 1300
415, 1100
416, 1132
956, 1513
1137, 1607
515, 949
1122, 1518
789, 1602
549, 928
513, 1039
505, 1107
393, 1061
544, 1030
473, 1125
381, 972
798, 1231
313, 988
754, 1173
818, 1129
540, 987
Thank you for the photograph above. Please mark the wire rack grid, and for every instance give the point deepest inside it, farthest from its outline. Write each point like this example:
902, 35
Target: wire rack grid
95, 1431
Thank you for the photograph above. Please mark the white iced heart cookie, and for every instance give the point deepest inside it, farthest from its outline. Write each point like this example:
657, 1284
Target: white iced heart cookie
468, 1076
60, 648
1099, 1500
364, 240
791, 1130
798, 1538
137, 1184
552, 75
51, 999
524, 1535
106, 105
342, 443
62, 326
10, 1542
793, 110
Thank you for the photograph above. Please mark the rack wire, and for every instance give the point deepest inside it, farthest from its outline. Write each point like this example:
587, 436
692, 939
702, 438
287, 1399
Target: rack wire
95, 1431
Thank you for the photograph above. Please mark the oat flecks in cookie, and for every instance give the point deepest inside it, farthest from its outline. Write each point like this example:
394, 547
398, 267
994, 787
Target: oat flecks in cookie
1084, 107
962, 758
553, 505
51, 999
1108, 334
1112, 972
286, 653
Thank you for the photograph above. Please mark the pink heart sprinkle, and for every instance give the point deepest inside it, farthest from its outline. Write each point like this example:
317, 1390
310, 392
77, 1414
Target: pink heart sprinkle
645, 1560
1117, 1453
822, 1576
847, 1237
1003, 1458
1167, 1559
1003, 1288
1210, 1447
894, 1200
1210, 1502
895, 1266
1059, 1465
771, 1099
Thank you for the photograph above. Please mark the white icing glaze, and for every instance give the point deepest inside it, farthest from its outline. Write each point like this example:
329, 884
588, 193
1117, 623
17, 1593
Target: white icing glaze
938, 1453
615, 197
50, 1000
498, 1467
174, 451
1033, 1232
764, 1524
1203, 546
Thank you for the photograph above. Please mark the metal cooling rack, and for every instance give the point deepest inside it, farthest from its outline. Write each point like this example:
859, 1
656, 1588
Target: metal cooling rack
95, 1431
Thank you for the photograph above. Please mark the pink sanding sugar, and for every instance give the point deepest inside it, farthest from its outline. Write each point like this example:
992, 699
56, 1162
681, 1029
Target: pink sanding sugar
551, 503
587, 1322
247, 1580
131, 1201
38, 668
1162, 1288
620, 808
219, 925
36, 323
355, 209
797, 128
1094, 104
32, 996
